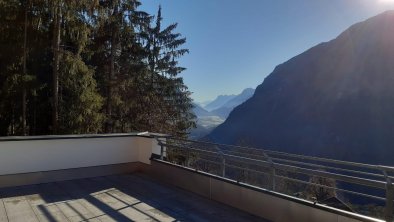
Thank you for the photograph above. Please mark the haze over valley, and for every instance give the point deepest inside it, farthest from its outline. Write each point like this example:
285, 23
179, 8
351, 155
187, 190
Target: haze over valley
215, 112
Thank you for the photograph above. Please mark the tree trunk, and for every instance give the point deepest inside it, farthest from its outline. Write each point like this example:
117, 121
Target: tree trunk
111, 74
24, 108
55, 66
108, 125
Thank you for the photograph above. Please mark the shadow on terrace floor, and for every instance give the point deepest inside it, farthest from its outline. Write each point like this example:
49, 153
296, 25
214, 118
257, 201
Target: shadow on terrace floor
132, 197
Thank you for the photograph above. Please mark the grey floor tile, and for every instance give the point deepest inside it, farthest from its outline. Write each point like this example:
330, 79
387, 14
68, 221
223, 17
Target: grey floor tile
134, 197
3, 214
19, 210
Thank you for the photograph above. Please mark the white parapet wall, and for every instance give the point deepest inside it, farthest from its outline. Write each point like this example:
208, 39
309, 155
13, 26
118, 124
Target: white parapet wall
48, 153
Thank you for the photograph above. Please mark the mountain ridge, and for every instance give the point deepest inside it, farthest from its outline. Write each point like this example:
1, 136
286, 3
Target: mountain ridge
219, 101
226, 108
333, 100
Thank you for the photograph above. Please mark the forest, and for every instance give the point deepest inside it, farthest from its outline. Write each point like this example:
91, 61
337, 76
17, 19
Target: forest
90, 66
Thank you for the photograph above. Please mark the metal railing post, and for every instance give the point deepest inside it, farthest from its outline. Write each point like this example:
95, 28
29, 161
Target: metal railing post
389, 202
223, 166
273, 179
272, 172
388, 211
188, 158
161, 151
223, 163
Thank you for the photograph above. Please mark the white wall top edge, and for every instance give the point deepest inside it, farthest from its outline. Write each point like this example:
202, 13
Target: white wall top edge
78, 136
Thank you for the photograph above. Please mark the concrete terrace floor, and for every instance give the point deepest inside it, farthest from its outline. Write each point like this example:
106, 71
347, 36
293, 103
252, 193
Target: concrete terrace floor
131, 197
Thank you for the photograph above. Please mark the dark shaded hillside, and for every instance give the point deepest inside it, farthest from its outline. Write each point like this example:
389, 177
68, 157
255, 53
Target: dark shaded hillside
334, 100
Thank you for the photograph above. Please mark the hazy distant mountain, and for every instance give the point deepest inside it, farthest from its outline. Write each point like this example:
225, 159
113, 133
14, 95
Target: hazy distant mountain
204, 103
245, 95
199, 111
219, 102
225, 110
334, 100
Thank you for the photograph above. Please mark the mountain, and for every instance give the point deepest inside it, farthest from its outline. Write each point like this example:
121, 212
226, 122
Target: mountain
335, 100
219, 102
199, 111
204, 103
225, 110
245, 95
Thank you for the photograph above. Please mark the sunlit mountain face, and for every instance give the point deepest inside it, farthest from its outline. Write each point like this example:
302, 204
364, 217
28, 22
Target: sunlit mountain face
334, 100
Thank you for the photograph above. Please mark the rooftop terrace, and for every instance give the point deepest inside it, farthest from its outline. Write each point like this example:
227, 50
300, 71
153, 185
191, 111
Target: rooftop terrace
148, 177
127, 197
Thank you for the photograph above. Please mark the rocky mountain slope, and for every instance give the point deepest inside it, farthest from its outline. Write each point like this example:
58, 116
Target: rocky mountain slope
334, 100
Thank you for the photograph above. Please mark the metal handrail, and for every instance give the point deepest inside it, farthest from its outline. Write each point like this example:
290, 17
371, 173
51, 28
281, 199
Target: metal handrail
341, 177
349, 163
285, 162
344, 178
316, 165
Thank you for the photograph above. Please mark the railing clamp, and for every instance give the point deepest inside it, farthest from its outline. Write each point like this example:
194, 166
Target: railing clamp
161, 144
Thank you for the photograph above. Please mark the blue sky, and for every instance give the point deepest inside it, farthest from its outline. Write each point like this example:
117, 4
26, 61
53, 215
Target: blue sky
235, 44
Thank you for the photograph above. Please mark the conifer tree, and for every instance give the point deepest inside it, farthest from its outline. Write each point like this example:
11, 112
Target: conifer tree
79, 101
170, 95
117, 54
13, 73
89, 67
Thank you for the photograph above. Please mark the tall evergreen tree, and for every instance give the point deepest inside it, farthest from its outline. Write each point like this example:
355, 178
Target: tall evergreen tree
106, 40
171, 95
79, 101
13, 71
87, 67
116, 52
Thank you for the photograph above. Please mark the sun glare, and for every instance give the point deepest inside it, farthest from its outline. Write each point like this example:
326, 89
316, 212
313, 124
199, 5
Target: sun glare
386, 1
